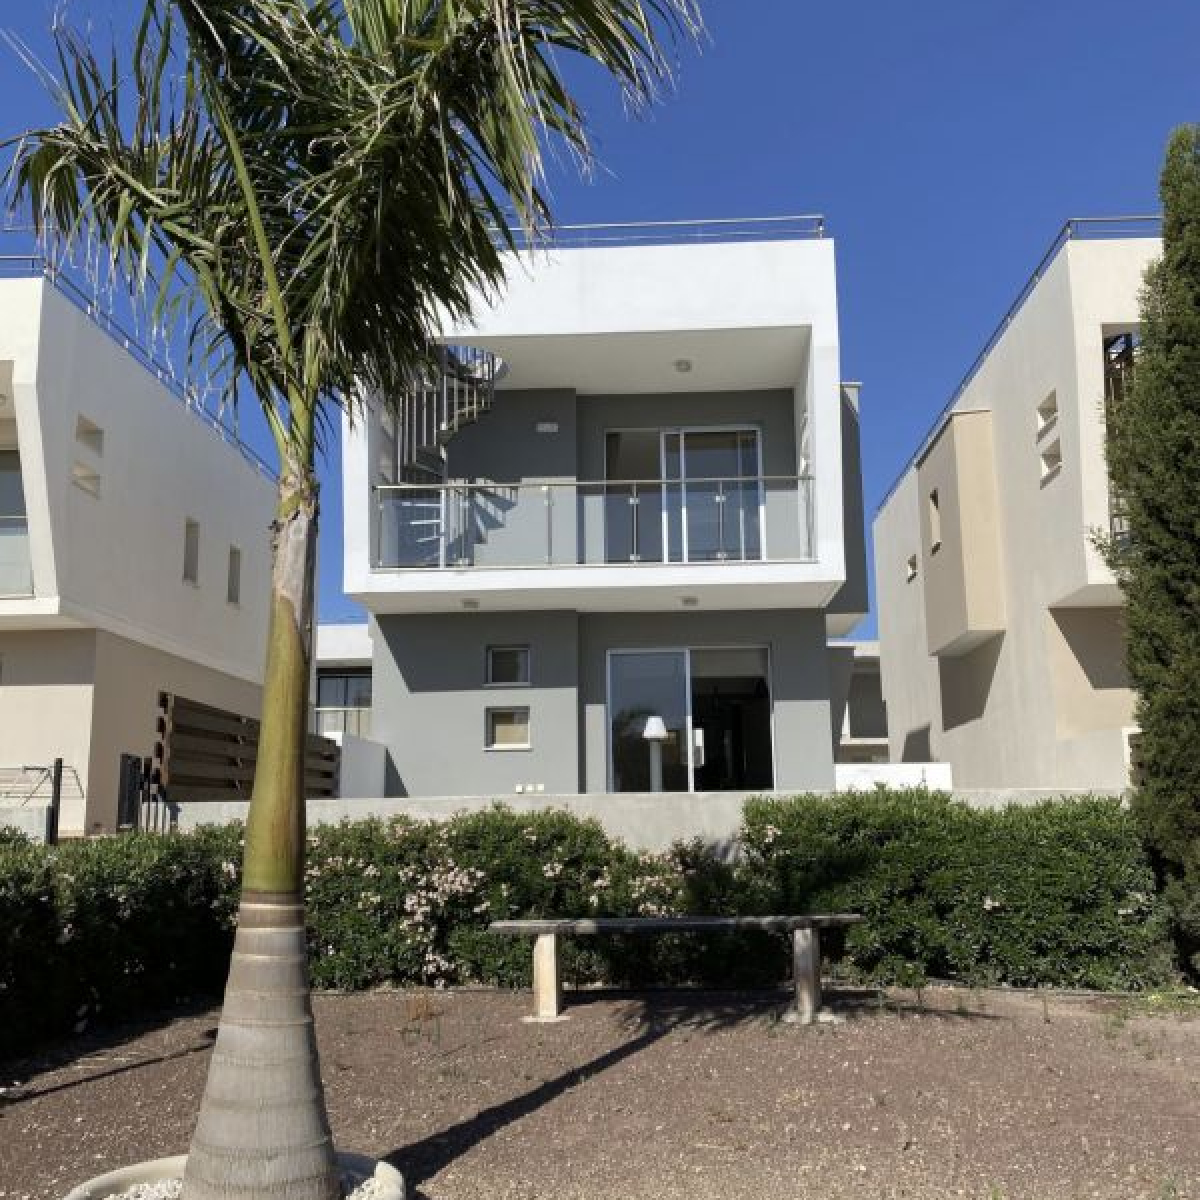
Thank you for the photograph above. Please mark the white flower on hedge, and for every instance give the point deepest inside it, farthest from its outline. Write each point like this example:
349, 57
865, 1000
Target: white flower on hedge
989, 904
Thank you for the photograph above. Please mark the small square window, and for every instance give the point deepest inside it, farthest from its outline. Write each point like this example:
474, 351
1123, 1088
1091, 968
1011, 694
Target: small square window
1047, 413
508, 729
935, 522
89, 435
86, 478
1051, 458
191, 551
233, 587
507, 666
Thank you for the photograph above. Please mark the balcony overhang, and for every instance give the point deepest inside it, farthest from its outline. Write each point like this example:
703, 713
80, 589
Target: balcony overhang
601, 588
661, 362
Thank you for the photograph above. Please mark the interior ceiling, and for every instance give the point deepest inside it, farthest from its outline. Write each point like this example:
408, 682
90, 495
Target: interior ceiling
633, 363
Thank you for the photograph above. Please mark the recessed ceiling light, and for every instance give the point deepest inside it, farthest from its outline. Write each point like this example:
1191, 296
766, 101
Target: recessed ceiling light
683, 365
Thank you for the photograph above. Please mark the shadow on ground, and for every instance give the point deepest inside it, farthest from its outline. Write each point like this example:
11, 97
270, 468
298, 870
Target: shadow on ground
97, 1046
648, 1017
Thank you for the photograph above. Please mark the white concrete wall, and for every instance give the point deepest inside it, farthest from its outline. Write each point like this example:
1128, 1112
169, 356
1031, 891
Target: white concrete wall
993, 713
614, 321
46, 689
115, 561
363, 770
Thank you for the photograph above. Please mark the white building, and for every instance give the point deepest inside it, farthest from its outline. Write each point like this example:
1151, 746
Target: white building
634, 493
134, 552
1001, 626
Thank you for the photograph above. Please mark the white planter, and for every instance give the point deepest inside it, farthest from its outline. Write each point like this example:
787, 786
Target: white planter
390, 1180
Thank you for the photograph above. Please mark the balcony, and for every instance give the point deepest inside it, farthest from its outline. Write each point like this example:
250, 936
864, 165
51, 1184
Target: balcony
456, 526
16, 573
342, 720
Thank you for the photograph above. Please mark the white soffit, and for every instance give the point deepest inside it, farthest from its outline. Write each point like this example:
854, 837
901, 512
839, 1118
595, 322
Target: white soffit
633, 363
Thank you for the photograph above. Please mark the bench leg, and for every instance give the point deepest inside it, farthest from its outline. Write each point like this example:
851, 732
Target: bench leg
547, 988
806, 976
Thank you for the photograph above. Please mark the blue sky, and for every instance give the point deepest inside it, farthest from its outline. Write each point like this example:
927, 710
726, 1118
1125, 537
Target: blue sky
946, 142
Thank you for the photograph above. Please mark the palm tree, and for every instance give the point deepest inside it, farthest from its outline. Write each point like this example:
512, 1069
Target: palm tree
311, 188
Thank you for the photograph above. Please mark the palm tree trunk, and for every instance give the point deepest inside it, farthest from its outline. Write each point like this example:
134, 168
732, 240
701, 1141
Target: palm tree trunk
263, 1132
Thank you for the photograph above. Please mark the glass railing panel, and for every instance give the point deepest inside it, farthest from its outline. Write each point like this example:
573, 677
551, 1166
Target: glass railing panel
16, 573
557, 523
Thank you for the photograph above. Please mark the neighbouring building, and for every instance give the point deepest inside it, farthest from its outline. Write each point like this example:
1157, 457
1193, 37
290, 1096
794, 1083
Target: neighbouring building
603, 550
134, 551
1001, 626
859, 713
342, 682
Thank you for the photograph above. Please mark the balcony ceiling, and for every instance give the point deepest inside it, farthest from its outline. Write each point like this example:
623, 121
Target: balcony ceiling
634, 363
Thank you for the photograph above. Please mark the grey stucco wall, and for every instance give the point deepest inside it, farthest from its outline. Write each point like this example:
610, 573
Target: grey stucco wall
505, 447
429, 703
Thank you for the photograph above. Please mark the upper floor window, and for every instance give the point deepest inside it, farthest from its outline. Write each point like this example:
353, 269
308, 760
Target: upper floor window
191, 551
935, 521
233, 586
507, 666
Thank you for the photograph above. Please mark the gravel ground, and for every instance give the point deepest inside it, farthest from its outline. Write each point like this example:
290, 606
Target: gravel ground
997, 1096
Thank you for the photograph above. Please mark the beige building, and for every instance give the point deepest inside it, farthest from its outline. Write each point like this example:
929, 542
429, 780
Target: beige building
134, 552
1001, 626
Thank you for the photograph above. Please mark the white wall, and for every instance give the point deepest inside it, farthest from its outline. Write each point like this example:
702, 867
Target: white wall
615, 321
115, 561
46, 688
993, 713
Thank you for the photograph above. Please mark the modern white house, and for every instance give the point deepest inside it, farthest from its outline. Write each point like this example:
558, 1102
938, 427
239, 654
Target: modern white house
1001, 626
618, 527
134, 550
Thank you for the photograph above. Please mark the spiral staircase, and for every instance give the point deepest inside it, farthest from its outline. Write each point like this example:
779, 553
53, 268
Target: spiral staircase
438, 524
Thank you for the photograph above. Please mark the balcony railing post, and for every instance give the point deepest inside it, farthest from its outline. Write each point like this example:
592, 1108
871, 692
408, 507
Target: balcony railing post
635, 499
721, 551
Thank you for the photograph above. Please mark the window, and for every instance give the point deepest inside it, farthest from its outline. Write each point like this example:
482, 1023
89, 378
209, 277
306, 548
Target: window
233, 586
343, 702
1047, 413
89, 435
508, 729
86, 478
191, 551
507, 666
935, 522
1051, 460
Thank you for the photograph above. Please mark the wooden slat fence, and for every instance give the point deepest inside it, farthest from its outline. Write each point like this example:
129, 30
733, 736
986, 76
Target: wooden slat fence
208, 754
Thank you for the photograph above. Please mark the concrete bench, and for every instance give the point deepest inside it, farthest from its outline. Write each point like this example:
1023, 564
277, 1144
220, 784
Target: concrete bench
806, 949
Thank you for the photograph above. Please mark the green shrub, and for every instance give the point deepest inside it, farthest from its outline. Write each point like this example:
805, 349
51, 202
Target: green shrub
1056, 894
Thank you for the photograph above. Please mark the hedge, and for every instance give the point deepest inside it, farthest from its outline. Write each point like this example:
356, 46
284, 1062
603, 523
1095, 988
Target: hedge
1056, 894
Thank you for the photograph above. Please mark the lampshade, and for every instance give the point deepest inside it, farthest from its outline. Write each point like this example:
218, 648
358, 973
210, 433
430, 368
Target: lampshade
655, 730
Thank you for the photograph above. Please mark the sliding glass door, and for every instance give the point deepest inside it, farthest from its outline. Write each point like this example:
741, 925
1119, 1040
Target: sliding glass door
704, 714
683, 495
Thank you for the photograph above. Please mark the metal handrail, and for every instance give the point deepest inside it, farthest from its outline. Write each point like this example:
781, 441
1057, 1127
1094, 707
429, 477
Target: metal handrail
443, 524
15, 266
1074, 229
492, 486
635, 233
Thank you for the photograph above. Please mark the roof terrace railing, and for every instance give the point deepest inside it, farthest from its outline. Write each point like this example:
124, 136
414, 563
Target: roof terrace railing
1075, 229
675, 233
34, 265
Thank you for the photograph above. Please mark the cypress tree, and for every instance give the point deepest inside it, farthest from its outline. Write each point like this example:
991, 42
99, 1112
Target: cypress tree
1154, 457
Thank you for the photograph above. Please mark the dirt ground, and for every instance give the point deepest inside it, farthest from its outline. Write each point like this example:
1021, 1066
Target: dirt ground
996, 1096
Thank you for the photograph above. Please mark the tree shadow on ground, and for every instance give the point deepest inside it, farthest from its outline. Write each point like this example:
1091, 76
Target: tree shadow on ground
100, 1043
648, 1017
